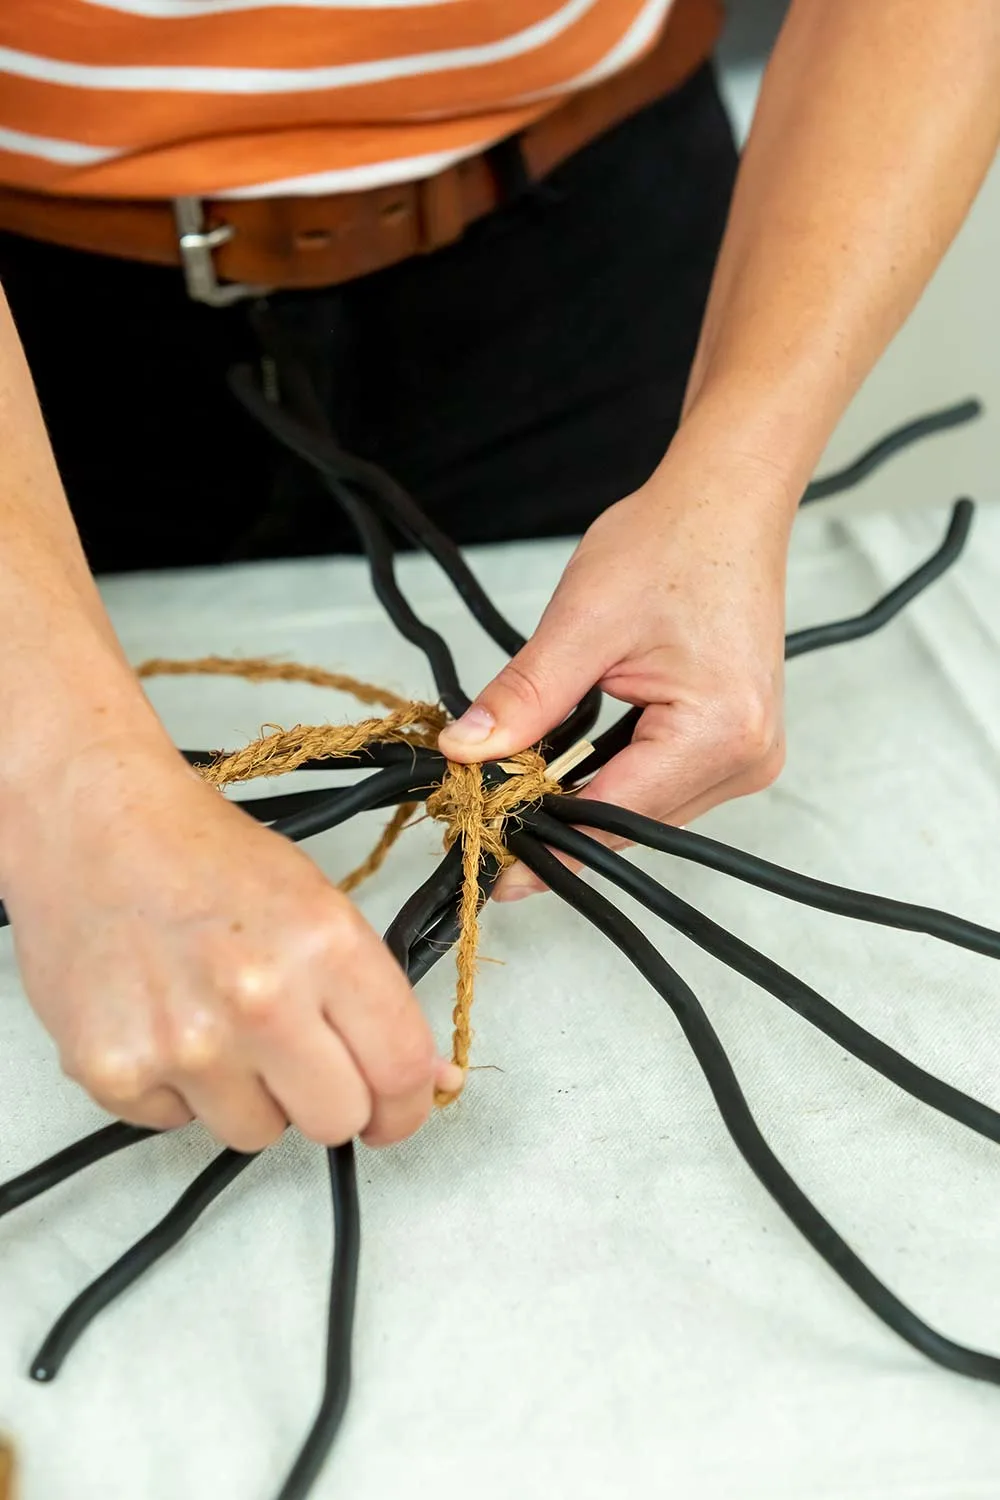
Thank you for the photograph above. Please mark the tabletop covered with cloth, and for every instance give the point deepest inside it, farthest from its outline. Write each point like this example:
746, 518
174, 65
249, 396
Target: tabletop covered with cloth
571, 1285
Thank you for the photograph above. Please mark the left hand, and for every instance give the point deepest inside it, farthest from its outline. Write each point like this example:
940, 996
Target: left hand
673, 601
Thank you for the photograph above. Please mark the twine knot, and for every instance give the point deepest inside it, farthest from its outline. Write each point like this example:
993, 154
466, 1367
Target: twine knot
471, 805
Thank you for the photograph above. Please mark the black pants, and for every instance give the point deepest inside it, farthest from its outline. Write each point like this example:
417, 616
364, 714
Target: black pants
517, 382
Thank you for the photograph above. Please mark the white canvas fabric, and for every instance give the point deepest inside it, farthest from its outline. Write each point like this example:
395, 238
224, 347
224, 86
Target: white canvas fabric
572, 1288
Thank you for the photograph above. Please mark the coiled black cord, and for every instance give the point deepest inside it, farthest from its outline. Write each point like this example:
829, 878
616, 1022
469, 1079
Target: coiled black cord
862, 906
886, 609
381, 567
393, 785
309, 437
428, 922
887, 447
68, 1162
340, 1324
770, 976
421, 912
740, 1123
138, 1259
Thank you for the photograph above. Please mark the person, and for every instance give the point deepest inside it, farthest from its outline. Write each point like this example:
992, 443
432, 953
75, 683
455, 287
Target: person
497, 237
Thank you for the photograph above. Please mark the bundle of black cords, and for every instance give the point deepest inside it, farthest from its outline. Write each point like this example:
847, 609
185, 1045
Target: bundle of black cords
427, 925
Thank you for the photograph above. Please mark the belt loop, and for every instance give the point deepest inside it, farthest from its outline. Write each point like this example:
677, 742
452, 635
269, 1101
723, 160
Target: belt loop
506, 160
442, 211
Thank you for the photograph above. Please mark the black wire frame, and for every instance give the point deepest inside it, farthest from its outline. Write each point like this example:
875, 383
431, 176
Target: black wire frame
427, 925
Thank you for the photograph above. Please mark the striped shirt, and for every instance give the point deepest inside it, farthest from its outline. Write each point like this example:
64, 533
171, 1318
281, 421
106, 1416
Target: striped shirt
254, 98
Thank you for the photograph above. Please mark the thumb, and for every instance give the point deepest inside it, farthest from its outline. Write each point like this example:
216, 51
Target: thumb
531, 695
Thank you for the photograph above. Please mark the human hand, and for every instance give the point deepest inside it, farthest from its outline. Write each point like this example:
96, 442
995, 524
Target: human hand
188, 962
674, 601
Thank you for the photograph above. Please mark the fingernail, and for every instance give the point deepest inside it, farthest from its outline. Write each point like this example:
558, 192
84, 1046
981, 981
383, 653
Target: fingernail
475, 725
450, 1077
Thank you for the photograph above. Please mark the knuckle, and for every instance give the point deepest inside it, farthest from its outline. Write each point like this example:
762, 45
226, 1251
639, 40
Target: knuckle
768, 769
340, 926
196, 1044
110, 1073
327, 933
255, 990
515, 680
751, 727
327, 928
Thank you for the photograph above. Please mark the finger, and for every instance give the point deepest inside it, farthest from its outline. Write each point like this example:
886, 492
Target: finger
524, 882
398, 1065
535, 690
744, 784
317, 1082
517, 881
233, 1103
375, 1013
125, 1076
158, 1109
663, 768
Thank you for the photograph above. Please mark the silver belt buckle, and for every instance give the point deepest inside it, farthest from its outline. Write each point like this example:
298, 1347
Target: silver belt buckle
197, 245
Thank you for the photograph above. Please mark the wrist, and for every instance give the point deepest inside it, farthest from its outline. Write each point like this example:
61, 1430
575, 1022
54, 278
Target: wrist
69, 735
730, 475
105, 801
773, 432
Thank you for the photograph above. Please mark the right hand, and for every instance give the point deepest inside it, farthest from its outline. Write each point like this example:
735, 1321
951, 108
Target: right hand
189, 962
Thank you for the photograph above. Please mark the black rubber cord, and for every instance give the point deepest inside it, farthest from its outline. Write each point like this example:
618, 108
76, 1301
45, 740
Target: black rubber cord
424, 773
339, 470
835, 634
770, 976
889, 446
740, 1123
427, 765
381, 563
437, 895
862, 906
68, 1162
321, 451
428, 922
92, 1301
340, 1324
284, 804
430, 945
394, 784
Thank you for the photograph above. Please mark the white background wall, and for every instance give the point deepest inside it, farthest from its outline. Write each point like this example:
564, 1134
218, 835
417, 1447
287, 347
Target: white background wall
950, 348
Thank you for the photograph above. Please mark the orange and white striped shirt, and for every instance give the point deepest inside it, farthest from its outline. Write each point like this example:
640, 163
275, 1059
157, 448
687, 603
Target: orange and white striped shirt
254, 98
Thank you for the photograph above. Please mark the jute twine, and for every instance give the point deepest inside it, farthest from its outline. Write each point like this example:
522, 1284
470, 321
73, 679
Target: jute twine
471, 810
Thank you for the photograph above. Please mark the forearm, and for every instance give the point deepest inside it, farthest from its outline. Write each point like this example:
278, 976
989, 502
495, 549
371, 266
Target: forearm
875, 127
64, 681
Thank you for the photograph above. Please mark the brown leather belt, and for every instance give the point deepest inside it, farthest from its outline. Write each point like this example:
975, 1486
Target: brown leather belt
230, 249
